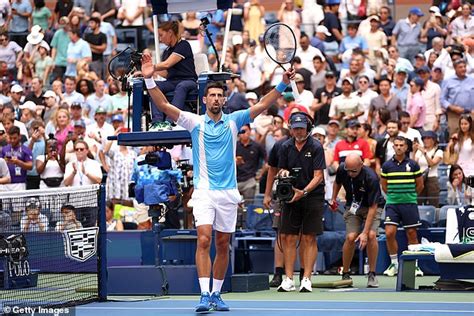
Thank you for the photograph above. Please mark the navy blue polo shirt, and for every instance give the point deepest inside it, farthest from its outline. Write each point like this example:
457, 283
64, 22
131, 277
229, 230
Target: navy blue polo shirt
274, 155
185, 68
364, 189
310, 158
401, 180
252, 154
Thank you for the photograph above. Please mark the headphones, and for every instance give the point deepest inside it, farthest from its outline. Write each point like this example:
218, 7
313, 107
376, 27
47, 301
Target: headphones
310, 123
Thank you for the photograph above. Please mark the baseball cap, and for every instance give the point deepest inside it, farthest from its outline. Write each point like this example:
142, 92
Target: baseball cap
429, 134
252, 42
323, 29
117, 117
299, 77
100, 110
76, 105
299, 120
418, 81
423, 69
288, 96
16, 88
417, 11
353, 123
374, 17
401, 69
251, 96
33, 203
79, 123
348, 80
30, 105
334, 122
435, 9
420, 55
237, 40
49, 94
330, 74
318, 130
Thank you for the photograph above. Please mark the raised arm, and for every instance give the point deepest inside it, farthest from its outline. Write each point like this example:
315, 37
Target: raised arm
157, 96
273, 95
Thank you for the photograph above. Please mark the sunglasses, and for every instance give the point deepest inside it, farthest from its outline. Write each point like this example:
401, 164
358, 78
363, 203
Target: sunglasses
80, 149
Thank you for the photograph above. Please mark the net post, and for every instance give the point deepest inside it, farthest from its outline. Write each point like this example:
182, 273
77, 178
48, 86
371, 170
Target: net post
102, 247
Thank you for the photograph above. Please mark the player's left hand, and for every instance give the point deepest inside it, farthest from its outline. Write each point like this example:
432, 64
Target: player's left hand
362, 239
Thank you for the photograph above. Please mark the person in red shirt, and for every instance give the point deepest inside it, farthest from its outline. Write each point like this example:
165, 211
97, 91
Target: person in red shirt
352, 144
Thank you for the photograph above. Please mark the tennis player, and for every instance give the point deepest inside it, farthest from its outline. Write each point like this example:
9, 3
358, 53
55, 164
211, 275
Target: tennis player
215, 197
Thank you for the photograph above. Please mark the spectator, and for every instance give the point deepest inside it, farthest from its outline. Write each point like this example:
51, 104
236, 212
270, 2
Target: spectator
306, 53
177, 67
98, 44
351, 144
112, 223
83, 170
18, 158
323, 99
459, 193
305, 96
405, 130
366, 96
235, 99
120, 168
80, 133
68, 219
9, 113
375, 39
28, 113
460, 148
312, 15
364, 132
433, 28
353, 41
37, 146
51, 166
59, 45
62, 9
4, 173
406, 34
62, 123
288, 15
384, 149
97, 100
457, 95
333, 24
400, 88
19, 21
41, 15
34, 221
43, 65
77, 50
437, 47
17, 98
385, 100
393, 53
428, 158
254, 13
252, 68
77, 20
10, 52
463, 26
131, 14
431, 94
70, 94
106, 9
36, 94
346, 106
84, 5
416, 105
100, 130
318, 78
109, 30
5, 9
319, 38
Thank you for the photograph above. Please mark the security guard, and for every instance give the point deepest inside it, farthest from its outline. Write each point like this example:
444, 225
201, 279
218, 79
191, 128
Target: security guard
362, 196
402, 181
303, 213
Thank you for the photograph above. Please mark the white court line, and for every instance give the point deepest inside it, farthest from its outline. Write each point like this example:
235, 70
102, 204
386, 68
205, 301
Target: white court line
312, 301
289, 309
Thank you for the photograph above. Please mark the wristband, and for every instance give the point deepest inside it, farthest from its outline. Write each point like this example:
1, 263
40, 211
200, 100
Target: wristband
150, 83
281, 87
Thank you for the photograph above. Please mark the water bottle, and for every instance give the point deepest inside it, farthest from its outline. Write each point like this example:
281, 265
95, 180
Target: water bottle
366, 266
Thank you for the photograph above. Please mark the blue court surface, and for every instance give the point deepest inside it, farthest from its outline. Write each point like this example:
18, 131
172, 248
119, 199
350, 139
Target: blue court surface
280, 307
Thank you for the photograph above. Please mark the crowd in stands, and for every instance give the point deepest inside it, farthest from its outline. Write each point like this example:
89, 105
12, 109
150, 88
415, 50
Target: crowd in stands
363, 77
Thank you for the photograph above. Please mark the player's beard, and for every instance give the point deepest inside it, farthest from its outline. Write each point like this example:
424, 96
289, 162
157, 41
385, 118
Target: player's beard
215, 109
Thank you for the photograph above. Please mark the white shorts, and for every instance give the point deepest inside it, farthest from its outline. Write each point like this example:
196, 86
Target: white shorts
217, 208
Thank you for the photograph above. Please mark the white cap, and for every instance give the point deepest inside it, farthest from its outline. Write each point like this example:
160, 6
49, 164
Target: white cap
44, 45
35, 37
435, 9
49, 94
30, 105
323, 29
237, 40
318, 130
16, 88
251, 95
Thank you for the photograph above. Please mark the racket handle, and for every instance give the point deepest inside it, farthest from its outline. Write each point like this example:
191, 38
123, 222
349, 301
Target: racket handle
294, 89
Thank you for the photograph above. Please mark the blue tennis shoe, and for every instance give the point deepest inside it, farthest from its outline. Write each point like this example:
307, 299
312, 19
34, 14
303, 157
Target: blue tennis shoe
204, 303
217, 303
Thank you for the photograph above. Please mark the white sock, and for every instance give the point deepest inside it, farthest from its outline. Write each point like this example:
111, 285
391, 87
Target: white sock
394, 259
204, 284
217, 285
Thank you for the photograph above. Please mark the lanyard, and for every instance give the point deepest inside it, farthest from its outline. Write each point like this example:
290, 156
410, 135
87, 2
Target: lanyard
353, 192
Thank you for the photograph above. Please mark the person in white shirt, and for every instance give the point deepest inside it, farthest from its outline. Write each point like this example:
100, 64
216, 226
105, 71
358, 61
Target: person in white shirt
306, 53
252, 67
365, 95
131, 12
84, 170
306, 97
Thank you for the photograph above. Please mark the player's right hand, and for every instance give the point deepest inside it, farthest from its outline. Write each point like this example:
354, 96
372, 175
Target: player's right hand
147, 66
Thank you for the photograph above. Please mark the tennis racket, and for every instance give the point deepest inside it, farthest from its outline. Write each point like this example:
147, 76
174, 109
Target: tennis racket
280, 46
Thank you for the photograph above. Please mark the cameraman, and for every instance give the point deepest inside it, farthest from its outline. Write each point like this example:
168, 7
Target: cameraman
362, 195
303, 213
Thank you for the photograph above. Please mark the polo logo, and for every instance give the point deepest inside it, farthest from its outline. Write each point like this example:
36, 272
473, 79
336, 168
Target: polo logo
81, 244
356, 146
298, 119
308, 155
408, 168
